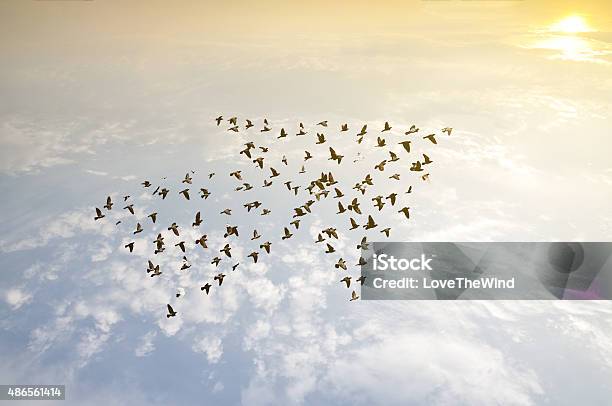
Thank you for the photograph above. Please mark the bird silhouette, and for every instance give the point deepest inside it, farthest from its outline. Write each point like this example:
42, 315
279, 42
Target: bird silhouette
353, 296
171, 312
219, 278
347, 280
206, 288
99, 214
431, 137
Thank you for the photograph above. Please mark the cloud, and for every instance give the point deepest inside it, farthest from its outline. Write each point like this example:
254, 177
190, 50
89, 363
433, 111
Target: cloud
16, 298
146, 345
211, 346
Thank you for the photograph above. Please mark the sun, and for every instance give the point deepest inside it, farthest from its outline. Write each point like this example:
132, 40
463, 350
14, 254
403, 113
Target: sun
570, 25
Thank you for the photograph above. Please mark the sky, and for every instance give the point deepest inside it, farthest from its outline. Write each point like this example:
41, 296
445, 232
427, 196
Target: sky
98, 96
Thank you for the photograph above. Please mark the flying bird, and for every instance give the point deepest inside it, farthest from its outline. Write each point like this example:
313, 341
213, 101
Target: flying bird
171, 312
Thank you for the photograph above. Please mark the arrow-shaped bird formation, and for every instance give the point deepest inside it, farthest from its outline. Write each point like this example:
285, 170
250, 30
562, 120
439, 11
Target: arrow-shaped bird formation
352, 203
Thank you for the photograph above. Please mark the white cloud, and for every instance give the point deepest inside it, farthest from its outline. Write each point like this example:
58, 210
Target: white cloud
211, 346
16, 298
146, 345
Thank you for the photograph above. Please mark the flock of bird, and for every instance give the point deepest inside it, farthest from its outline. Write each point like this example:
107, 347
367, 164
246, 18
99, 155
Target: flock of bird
316, 189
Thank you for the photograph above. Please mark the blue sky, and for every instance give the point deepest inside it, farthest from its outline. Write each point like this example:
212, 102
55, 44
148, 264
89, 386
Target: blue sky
90, 109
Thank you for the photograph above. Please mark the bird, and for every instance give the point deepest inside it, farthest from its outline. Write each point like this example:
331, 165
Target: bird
218, 120
425, 177
274, 173
320, 238
266, 246
254, 255
264, 149
320, 138
307, 156
215, 261
130, 208
227, 212
202, 241
406, 145
287, 234
236, 174
181, 245
265, 212
370, 224
109, 203
267, 183
186, 264
197, 220
174, 228
387, 127
249, 124
405, 211
185, 193
323, 123
256, 235
426, 160
344, 127
363, 245
246, 152
354, 206
395, 176
386, 231
235, 266
416, 167
188, 179
379, 203
206, 288
392, 197
361, 280
259, 161
381, 165
296, 223
129, 246
146, 183
171, 312
393, 156
380, 142
347, 280
354, 224
265, 129
163, 193
284, 160
210, 175
138, 228
341, 208
447, 130
340, 264
283, 133
204, 193
339, 193
330, 249
334, 156
231, 230
353, 296
227, 250
413, 129
361, 261
431, 137
153, 216
363, 130
409, 190
99, 214
180, 292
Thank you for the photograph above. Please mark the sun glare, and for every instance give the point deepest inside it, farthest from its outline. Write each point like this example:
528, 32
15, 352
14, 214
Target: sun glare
570, 25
